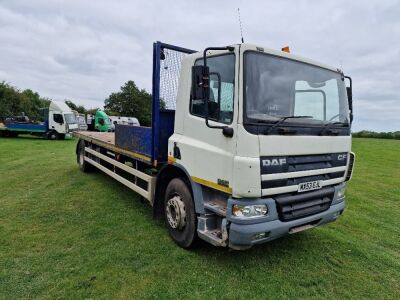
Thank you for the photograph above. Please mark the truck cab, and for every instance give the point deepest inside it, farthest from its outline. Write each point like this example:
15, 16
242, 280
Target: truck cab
81, 119
61, 120
99, 122
267, 134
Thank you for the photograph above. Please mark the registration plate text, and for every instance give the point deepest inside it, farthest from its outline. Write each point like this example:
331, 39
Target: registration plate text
309, 186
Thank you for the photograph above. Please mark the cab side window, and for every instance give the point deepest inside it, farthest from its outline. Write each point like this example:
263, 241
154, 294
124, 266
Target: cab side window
58, 118
222, 84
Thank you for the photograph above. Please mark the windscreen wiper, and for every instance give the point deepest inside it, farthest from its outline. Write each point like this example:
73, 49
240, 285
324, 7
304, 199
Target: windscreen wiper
283, 119
326, 127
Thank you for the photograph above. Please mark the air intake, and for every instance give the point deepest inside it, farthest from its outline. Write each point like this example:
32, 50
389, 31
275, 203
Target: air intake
351, 166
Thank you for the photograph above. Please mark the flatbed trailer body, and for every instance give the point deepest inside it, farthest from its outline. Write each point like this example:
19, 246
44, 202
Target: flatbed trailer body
106, 140
26, 127
149, 144
36, 129
101, 152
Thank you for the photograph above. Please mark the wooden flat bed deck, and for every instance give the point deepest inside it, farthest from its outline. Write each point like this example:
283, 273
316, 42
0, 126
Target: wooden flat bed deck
107, 141
105, 137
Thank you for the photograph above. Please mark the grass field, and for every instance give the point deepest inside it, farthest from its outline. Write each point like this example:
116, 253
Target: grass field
66, 234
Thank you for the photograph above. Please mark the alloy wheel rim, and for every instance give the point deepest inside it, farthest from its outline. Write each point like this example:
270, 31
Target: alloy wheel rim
176, 212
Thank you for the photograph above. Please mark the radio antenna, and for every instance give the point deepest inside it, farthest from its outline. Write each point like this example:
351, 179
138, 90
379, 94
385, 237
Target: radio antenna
240, 24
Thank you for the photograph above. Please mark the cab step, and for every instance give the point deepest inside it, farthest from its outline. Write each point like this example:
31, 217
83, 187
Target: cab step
217, 206
208, 230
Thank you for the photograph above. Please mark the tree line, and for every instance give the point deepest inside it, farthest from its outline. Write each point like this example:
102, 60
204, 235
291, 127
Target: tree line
377, 135
15, 102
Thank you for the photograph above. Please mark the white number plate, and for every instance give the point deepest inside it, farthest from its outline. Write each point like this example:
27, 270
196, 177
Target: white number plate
309, 186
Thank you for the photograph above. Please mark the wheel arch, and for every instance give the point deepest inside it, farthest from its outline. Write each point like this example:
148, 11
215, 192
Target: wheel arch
165, 175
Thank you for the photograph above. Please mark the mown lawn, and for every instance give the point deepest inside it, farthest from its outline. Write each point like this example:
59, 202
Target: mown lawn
66, 234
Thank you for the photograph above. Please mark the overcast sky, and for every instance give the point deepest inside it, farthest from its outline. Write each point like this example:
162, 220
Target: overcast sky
84, 51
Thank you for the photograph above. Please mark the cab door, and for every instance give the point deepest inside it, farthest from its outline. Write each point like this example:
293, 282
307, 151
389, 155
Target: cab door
56, 121
206, 152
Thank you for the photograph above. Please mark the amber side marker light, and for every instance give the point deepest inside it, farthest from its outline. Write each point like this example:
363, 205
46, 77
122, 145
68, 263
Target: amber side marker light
286, 49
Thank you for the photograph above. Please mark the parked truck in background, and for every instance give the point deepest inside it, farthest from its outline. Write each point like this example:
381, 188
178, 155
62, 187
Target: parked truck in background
58, 122
98, 122
253, 144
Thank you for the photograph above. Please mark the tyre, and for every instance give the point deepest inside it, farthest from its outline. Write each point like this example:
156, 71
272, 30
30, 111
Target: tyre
84, 166
179, 213
52, 135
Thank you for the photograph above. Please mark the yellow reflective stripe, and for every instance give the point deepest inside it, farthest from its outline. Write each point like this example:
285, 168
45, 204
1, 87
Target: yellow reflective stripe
212, 185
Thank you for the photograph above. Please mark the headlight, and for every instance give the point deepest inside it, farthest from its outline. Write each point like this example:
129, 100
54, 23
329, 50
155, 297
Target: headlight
249, 211
340, 192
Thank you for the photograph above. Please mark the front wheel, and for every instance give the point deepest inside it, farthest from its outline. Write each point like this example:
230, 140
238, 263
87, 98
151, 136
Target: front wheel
180, 216
53, 135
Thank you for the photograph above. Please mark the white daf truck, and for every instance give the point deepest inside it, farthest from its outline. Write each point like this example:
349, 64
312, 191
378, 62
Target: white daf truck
58, 123
253, 144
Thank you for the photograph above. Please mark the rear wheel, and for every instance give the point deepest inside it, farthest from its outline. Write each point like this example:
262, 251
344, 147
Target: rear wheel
84, 166
180, 216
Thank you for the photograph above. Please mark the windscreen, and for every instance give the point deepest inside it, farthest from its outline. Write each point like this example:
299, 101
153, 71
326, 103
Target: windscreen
70, 118
277, 87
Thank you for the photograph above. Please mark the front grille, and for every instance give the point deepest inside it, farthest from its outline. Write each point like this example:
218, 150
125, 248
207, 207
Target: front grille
295, 181
271, 166
292, 207
275, 164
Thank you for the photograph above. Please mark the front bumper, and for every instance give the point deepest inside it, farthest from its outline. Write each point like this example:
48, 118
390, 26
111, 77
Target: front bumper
244, 233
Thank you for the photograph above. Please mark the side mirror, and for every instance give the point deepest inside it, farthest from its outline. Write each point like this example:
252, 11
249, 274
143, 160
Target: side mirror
349, 93
201, 87
200, 82
349, 90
